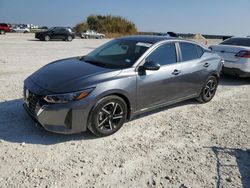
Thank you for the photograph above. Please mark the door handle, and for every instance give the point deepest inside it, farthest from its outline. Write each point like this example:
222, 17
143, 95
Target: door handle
206, 65
176, 72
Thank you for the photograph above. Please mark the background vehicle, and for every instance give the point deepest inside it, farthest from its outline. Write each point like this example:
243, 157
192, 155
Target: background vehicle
92, 34
236, 53
168, 34
62, 33
4, 28
118, 81
21, 30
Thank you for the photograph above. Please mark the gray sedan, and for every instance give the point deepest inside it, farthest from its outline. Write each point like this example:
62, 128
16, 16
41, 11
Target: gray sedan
118, 81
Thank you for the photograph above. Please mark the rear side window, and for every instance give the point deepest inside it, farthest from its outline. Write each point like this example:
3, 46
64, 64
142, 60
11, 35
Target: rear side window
237, 42
200, 51
164, 55
190, 51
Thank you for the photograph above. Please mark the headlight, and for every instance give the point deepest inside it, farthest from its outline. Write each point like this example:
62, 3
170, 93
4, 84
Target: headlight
67, 97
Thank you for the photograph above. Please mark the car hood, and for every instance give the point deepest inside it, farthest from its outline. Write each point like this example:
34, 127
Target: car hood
69, 75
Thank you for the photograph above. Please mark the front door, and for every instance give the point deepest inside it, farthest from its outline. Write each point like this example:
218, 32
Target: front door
163, 85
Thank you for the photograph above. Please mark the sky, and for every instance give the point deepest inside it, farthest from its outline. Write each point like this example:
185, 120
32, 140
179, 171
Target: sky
222, 17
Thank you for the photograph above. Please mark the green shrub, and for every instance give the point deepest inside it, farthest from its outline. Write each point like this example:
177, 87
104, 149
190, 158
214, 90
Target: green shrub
107, 24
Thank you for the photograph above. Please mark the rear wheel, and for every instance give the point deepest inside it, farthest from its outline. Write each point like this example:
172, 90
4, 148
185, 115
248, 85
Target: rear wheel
2, 32
108, 116
69, 38
47, 38
208, 90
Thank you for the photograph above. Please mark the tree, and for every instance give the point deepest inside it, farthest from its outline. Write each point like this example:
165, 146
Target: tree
81, 27
107, 24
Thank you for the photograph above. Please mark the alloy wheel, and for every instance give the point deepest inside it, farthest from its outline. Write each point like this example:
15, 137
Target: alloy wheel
210, 89
110, 116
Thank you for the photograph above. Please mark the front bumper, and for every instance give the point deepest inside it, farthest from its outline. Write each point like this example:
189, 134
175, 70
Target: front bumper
235, 72
68, 118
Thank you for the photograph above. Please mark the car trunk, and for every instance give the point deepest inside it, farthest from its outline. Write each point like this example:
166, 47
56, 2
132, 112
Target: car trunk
228, 52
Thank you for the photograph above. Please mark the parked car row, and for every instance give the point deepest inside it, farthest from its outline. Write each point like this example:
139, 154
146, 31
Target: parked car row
5, 28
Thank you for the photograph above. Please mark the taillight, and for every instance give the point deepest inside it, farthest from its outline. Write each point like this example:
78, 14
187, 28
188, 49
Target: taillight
243, 54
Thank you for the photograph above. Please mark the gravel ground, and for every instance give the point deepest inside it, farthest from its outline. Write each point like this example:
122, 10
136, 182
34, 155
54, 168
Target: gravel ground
186, 145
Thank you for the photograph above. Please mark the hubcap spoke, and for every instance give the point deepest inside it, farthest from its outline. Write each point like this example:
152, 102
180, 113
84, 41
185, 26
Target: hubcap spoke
115, 107
110, 124
100, 124
117, 116
106, 111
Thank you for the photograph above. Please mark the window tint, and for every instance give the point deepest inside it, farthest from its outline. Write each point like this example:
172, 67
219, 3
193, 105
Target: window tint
164, 55
200, 51
237, 42
57, 29
188, 51
116, 49
118, 53
62, 30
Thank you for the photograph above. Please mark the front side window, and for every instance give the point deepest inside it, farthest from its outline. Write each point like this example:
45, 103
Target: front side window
164, 55
188, 51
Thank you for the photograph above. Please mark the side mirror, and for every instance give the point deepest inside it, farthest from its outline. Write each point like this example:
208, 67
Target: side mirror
151, 65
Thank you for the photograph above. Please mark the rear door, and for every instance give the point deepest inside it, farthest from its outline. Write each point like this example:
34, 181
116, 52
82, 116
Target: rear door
195, 68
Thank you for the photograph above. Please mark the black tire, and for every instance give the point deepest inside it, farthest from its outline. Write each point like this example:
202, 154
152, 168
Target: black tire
208, 90
2, 32
108, 116
46, 38
69, 38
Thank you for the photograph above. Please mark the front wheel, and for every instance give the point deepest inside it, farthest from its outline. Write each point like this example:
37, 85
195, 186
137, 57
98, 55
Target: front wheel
208, 90
108, 116
47, 38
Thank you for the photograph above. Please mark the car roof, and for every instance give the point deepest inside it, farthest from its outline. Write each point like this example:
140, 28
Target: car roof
152, 39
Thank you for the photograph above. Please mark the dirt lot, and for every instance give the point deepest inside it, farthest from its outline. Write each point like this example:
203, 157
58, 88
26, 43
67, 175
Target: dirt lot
186, 145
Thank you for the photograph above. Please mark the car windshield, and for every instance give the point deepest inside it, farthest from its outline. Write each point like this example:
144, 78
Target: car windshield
117, 53
237, 42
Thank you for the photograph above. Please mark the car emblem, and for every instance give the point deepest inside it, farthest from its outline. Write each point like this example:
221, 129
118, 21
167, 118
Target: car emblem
27, 93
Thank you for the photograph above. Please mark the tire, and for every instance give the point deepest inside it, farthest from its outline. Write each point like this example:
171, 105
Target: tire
69, 38
108, 116
2, 32
208, 90
46, 38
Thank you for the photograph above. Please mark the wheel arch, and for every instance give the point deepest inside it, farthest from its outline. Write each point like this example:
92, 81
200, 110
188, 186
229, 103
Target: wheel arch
119, 94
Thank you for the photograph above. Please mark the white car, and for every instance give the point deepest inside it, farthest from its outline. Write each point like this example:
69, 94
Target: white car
21, 30
92, 34
236, 53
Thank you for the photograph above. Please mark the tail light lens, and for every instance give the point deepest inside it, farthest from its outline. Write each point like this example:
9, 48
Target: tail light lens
243, 54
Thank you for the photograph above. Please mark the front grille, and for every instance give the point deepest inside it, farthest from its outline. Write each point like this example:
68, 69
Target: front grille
32, 101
